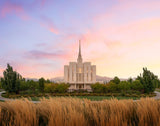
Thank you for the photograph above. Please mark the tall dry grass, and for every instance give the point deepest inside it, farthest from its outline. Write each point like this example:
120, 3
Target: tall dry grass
77, 112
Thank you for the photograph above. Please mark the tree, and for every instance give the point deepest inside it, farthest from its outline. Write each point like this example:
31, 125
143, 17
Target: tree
41, 84
11, 80
97, 87
148, 80
130, 80
116, 80
24, 85
136, 85
61, 88
32, 85
50, 88
47, 81
124, 86
113, 87
0, 83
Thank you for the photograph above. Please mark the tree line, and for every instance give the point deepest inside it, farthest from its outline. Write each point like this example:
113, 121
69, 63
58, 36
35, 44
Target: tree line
13, 82
144, 83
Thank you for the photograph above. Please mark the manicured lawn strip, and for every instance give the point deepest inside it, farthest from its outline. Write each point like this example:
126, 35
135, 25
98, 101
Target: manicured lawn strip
92, 98
99, 98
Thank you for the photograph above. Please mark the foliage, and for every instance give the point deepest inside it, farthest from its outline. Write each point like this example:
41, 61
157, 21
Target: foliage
50, 88
32, 85
47, 81
130, 80
124, 86
116, 80
149, 80
56, 88
136, 85
0, 84
41, 84
97, 88
11, 80
113, 87
61, 88
24, 86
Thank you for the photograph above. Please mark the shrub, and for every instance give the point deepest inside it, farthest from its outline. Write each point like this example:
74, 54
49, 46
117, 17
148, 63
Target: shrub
62, 88
136, 85
113, 87
124, 86
97, 87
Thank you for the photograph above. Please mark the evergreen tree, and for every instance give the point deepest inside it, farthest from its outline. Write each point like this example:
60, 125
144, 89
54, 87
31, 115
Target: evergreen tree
11, 80
148, 79
116, 80
41, 84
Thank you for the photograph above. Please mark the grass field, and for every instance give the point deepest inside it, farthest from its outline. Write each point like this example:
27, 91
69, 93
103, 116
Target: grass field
77, 112
92, 98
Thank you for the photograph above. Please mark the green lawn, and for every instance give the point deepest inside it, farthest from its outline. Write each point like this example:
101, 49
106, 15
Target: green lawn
92, 98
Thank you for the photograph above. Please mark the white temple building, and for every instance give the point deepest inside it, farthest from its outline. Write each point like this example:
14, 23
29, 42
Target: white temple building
80, 75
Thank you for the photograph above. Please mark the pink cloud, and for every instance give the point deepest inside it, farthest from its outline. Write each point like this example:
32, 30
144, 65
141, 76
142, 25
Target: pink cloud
37, 70
35, 54
43, 2
11, 8
1, 71
48, 24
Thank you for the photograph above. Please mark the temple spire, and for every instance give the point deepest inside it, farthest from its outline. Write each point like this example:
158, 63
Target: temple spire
79, 54
79, 48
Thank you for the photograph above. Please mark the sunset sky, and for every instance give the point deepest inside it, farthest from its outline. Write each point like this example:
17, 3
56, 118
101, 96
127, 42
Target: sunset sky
120, 37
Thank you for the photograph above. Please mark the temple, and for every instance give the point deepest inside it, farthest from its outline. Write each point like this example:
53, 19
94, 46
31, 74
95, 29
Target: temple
80, 75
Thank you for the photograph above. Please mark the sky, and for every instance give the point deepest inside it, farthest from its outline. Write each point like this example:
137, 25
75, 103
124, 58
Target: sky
120, 37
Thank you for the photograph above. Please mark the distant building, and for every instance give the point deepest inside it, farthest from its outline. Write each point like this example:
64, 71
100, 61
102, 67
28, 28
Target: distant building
80, 75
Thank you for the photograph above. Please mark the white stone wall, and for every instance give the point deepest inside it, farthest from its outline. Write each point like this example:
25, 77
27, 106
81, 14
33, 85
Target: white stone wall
74, 71
66, 73
93, 73
87, 73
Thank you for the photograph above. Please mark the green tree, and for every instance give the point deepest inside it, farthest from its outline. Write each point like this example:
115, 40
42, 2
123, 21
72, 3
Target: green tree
136, 85
24, 85
41, 84
113, 87
47, 81
116, 80
61, 88
124, 86
11, 80
148, 80
97, 88
0, 83
50, 88
32, 85
130, 80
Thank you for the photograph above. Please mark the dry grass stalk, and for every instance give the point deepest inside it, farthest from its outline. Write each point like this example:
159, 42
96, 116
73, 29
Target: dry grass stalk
77, 112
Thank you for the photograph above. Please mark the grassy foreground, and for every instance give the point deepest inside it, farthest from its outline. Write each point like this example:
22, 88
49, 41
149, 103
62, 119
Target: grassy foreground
77, 112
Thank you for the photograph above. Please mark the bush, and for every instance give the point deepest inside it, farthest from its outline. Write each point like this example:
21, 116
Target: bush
136, 85
61, 88
113, 87
124, 86
97, 87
